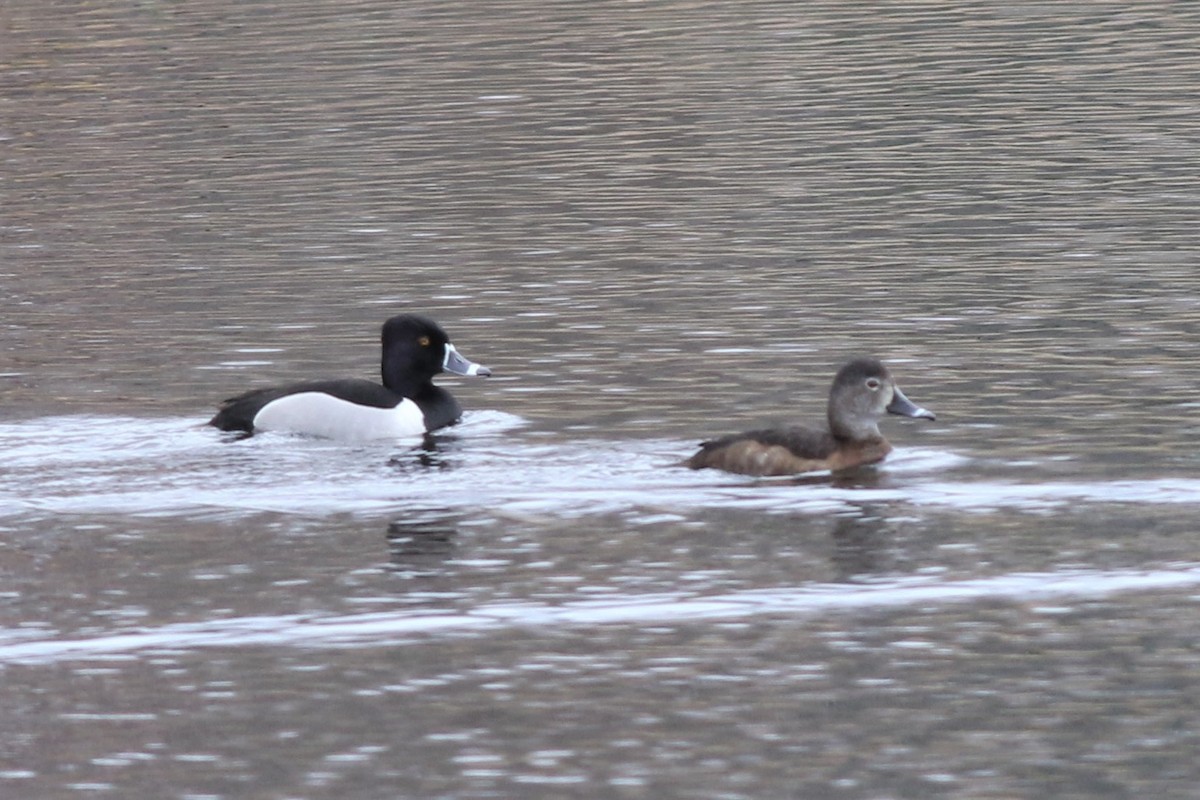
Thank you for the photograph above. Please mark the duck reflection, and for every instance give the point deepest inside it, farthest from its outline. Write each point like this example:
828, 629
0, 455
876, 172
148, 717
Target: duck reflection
421, 547
429, 454
862, 546
866, 477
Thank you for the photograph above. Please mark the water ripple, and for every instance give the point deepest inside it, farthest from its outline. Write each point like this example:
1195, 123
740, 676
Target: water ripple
166, 467
393, 627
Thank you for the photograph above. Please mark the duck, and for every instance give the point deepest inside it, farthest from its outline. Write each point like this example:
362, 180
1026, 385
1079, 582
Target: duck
407, 404
863, 392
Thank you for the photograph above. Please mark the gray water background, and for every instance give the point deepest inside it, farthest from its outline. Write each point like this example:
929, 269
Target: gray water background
656, 222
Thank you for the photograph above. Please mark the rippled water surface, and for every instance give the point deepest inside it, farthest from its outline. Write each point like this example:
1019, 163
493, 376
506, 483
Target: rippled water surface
656, 222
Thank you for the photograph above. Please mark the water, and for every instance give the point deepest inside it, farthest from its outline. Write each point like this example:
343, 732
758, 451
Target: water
656, 222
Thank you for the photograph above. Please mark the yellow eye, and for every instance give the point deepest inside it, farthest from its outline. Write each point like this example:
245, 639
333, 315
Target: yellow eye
423, 341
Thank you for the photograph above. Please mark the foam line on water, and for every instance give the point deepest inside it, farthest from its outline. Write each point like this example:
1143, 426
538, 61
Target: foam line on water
393, 627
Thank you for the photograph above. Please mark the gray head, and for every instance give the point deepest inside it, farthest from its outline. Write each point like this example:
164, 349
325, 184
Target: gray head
863, 392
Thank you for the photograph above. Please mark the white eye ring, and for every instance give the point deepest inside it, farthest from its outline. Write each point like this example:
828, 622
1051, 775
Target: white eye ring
873, 384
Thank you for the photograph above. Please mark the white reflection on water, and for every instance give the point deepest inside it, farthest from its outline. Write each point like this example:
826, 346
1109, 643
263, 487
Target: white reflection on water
165, 467
393, 627
89, 464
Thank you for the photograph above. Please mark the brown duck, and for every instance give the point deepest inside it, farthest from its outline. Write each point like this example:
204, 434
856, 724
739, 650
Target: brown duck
863, 391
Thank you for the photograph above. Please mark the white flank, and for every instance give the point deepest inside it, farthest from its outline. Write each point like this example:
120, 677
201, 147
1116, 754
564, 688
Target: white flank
319, 414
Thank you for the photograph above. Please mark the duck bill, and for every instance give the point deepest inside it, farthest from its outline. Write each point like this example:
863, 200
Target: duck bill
461, 366
907, 408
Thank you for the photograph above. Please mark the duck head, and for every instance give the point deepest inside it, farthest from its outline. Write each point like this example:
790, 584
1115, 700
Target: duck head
863, 392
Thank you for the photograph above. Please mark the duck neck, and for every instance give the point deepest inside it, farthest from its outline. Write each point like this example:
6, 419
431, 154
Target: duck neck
854, 431
402, 382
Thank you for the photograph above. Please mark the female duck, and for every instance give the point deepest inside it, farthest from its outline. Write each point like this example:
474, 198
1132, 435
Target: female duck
415, 349
863, 391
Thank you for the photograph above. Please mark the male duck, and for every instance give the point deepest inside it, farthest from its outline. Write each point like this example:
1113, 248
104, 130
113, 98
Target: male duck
862, 393
415, 349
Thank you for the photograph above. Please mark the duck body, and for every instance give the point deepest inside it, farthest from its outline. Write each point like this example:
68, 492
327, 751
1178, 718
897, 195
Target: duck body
863, 392
406, 404
786, 451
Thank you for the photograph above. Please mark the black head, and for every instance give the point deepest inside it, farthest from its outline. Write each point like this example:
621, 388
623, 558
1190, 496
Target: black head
414, 350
